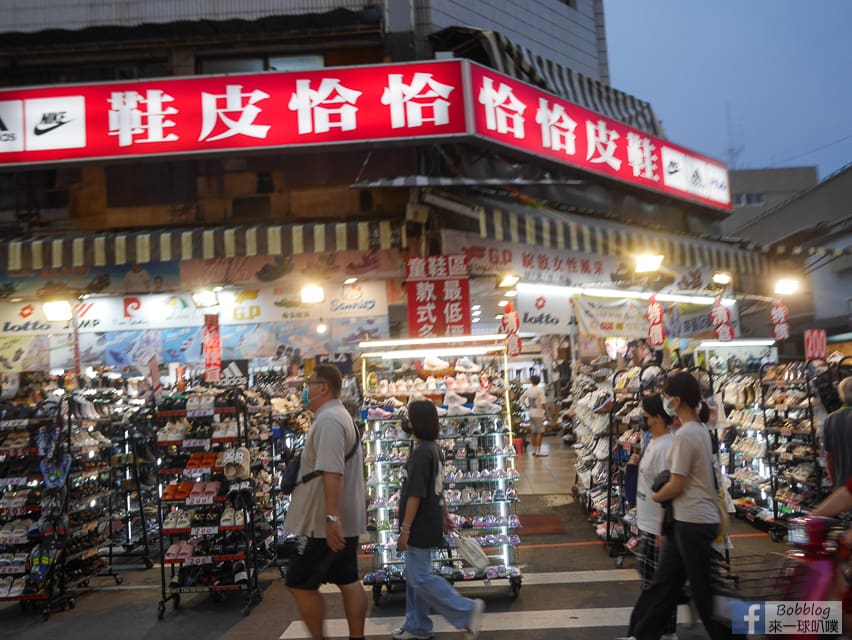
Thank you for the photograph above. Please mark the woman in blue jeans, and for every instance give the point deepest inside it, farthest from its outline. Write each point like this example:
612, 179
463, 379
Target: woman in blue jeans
424, 518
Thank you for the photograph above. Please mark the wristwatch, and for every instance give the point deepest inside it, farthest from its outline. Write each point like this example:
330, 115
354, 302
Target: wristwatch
330, 519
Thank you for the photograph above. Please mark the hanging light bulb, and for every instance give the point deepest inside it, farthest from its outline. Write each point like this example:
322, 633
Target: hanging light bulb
322, 327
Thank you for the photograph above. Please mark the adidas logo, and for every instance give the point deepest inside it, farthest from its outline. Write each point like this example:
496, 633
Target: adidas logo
234, 375
5, 134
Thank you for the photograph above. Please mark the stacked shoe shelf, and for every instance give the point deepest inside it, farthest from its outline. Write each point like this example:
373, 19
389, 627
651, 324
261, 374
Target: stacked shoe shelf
133, 467
606, 422
788, 402
288, 422
32, 538
477, 440
207, 497
744, 451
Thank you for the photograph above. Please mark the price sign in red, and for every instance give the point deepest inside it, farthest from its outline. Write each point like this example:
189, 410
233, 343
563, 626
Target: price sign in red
816, 344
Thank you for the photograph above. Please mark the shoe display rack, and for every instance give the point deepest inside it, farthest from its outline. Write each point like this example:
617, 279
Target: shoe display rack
277, 424
133, 466
792, 448
34, 524
606, 419
207, 497
479, 474
744, 450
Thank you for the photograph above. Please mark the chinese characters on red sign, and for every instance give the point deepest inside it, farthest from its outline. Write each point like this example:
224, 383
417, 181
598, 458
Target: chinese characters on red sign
511, 322
656, 328
214, 113
720, 316
778, 316
212, 346
343, 105
523, 117
438, 296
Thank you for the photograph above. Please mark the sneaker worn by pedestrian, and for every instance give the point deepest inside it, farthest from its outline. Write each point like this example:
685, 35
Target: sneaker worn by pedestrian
402, 634
474, 625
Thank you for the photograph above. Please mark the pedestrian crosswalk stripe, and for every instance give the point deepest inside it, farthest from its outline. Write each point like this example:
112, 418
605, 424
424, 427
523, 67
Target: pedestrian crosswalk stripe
614, 617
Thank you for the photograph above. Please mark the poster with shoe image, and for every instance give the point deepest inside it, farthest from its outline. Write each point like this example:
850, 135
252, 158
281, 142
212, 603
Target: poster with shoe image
346, 333
132, 348
24, 353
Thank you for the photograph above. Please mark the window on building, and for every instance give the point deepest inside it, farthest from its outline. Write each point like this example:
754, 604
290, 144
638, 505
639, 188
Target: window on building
754, 199
133, 185
255, 64
570, 3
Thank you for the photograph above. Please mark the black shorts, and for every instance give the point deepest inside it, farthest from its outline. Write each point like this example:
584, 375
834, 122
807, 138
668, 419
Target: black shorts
317, 564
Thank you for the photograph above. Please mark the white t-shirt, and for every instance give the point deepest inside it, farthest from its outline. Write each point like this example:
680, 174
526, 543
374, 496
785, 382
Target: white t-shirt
649, 514
691, 456
533, 400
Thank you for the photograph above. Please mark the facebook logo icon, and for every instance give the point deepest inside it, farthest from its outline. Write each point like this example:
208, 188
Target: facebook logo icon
748, 617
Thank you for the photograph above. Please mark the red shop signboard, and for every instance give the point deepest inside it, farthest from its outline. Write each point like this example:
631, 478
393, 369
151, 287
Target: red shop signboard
342, 105
438, 296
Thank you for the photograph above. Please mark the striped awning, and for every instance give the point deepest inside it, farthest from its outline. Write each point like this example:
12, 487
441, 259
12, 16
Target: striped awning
541, 227
515, 60
106, 249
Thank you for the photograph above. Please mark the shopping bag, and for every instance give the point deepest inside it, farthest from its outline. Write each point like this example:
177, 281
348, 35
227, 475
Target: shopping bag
472, 553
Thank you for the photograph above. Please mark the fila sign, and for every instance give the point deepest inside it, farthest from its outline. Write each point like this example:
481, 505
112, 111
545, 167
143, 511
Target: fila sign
433, 100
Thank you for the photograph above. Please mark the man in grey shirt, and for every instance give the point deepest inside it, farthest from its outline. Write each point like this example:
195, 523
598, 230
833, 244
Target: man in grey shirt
837, 437
328, 510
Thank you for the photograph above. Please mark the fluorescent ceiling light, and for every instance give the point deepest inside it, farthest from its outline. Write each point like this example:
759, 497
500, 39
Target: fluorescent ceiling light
205, 298
508, 281
350, 281
502, 303
476, 307
312, 294
57, 310
715, 344
647, 263
499, 316
491, 337
445, 351
511, 293
786, 286
476, 312
475, 319
532, 287
722, 278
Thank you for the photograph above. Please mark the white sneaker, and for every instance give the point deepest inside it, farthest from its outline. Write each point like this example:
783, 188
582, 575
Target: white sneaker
402, 634
474, 625
431, 363
458, 410
451, 397
462, 385
467, 365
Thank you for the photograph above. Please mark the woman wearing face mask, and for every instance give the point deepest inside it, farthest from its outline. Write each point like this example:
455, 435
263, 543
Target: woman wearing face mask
649, 514
687, 550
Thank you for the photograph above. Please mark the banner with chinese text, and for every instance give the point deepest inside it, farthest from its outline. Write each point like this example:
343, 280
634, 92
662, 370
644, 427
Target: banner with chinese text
212, 349
438, 296
628, 318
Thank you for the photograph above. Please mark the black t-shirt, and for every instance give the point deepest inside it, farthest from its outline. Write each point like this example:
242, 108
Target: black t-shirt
837, 436
425, 480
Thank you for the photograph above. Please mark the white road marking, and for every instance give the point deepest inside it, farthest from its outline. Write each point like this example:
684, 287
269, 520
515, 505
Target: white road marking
617, 617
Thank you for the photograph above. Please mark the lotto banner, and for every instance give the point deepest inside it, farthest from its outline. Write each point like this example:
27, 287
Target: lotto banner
212, 349
438, 296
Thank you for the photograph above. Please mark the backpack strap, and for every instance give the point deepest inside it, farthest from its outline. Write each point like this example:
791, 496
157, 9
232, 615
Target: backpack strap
313, 474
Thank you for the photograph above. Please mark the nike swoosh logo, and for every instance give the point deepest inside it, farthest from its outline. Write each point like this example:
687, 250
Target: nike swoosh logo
39, 129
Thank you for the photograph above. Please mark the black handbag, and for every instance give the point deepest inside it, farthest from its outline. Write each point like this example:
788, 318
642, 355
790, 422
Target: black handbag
668, 508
